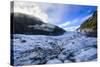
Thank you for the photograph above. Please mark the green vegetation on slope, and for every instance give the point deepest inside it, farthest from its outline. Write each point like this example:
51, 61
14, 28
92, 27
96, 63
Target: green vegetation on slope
90, 25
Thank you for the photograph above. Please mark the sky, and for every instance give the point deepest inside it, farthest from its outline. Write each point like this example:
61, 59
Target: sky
66, 16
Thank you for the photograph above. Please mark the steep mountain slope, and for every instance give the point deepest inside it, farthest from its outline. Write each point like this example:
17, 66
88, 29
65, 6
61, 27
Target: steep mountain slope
26, 24
90, 25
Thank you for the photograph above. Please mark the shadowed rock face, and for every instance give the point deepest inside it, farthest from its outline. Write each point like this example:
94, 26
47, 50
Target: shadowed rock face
25, 24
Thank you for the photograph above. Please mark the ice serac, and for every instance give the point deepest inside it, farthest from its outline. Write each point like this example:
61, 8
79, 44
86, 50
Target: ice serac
26, 24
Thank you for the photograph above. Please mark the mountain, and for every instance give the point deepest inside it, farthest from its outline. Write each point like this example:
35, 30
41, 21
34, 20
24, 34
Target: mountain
90, 26
26, 24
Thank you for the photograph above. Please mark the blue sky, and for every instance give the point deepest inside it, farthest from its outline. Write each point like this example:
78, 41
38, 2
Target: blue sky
67, 16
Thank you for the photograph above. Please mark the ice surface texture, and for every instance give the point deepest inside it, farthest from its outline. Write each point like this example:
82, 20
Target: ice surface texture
41, 49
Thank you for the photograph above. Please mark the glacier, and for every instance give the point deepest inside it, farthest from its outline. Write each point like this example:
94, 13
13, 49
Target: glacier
42, 49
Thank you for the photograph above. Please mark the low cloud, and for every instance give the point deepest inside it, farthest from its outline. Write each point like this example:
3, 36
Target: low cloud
72, 28
73, 25
64, 24
30, 8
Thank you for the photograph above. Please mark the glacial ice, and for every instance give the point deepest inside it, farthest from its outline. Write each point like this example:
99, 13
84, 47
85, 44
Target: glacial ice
41, 49
54, 61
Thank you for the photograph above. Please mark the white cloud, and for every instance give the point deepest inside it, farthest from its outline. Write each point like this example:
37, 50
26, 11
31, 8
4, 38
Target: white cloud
81, 19
30, 8
64, 24
72, 28
49, 13
55, 11
86, 17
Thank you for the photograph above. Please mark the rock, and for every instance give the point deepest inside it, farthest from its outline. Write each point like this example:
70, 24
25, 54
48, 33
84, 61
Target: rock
54, 61
26, 24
